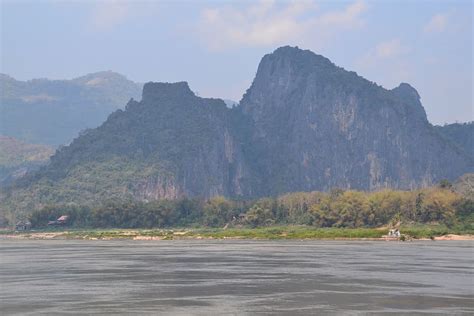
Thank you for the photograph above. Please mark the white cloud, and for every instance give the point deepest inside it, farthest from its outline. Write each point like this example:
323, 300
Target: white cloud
386, 57
437, 23
388, 49
269, 22
106, 15
348, 17
383, 51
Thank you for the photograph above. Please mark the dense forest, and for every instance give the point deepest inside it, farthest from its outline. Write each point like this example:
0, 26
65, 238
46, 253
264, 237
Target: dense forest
336, 208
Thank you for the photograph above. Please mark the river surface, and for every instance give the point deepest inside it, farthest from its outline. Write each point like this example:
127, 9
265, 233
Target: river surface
232, 277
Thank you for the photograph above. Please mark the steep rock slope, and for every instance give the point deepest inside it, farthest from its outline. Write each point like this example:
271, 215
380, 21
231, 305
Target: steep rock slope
170, 144
319, 126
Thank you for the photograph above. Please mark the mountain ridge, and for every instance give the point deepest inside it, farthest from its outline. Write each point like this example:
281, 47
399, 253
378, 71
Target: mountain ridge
53, 112
304, 124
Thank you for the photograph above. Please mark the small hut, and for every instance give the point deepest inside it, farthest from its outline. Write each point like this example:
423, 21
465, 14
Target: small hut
23, 225
62, 220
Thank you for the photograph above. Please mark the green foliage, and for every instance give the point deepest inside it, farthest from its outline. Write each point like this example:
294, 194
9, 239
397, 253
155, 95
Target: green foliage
218, 211
97, 181
15, 153
288, 232
346, 209
258, 216
16, 157
79, 216
445, 184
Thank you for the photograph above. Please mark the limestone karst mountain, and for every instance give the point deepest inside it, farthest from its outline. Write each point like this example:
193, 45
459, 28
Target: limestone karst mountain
304, 124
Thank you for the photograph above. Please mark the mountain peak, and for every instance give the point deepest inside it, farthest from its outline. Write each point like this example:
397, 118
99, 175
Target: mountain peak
100, 78
406, 90
297, 54
287, 49
165, 90
411, 98
286, 73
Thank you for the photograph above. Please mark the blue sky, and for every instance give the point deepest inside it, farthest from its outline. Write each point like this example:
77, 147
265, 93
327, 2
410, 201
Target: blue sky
216, 45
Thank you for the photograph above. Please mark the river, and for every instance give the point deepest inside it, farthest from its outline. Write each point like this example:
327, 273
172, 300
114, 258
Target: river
235, 277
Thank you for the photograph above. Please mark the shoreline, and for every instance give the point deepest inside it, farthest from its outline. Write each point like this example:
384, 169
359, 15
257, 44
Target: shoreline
151, 235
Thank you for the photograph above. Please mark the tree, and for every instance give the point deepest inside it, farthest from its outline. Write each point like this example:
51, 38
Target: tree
258, 216
445, 184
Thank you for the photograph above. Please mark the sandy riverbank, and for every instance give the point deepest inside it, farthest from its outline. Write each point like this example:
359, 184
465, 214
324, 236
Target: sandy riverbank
180, 235
455, 237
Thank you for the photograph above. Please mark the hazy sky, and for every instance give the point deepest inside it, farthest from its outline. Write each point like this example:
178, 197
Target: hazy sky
216, 45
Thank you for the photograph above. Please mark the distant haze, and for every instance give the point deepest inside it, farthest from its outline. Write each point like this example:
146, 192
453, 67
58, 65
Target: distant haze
216, 46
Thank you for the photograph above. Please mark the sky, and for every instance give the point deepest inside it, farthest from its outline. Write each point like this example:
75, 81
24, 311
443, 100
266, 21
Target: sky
216, 45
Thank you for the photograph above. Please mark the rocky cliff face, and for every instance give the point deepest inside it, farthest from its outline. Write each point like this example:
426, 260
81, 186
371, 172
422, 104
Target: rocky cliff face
304, 124
321, 127
186, 143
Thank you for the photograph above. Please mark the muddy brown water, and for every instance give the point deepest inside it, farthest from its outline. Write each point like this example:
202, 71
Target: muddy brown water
235, 277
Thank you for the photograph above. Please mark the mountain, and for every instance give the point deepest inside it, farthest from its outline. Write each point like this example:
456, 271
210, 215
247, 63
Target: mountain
53, 112
460, 134
17, 158
319, 126
304, 124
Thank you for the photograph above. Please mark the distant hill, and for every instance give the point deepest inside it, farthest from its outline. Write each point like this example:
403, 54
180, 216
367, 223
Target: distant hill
460, 134
17, 158
303, 125
53, 112
230, 103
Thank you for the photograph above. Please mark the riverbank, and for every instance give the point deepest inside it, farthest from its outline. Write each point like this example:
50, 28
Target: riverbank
281, 232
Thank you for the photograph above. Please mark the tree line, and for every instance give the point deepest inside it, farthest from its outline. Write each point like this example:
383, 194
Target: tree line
337, 208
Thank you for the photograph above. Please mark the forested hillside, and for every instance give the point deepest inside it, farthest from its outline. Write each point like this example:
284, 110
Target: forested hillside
17, 158
53, 112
